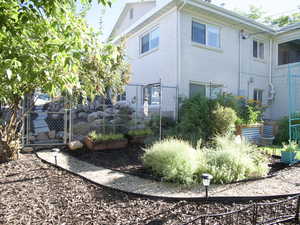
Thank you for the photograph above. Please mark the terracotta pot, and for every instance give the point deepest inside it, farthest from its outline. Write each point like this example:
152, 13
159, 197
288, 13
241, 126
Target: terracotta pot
105, 145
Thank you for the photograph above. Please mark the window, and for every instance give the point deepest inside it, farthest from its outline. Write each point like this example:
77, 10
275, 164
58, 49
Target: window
207, 90
289, 52
121, 97
152, 94
258, 49
206, 34
150, 41
258, 95
131, 13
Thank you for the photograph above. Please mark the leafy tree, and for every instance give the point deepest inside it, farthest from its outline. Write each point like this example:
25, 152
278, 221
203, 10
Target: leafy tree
258, 14
46, 45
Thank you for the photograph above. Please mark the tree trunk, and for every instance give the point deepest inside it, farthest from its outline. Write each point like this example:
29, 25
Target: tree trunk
10, 136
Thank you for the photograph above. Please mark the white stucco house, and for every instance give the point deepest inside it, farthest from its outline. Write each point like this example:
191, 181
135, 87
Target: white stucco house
199, 47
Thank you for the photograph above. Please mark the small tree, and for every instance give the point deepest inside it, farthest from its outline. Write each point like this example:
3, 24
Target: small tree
45, 45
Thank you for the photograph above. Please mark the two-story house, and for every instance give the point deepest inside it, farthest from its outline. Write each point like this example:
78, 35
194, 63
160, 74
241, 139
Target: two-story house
199, 47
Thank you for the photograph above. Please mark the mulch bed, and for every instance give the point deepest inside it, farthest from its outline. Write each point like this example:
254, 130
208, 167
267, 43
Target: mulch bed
33, 192
129, 161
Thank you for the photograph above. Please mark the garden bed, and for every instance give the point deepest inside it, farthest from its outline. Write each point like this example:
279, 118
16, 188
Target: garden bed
128, 160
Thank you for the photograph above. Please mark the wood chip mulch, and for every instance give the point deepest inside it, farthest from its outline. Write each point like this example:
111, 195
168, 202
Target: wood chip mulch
32, 192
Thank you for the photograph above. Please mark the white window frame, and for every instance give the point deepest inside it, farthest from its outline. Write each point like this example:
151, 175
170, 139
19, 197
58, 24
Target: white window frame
258, 49
206, 34
143, 35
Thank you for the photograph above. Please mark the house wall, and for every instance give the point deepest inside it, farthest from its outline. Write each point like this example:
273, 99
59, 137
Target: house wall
161, 63
221, 66
139, 10
280, 78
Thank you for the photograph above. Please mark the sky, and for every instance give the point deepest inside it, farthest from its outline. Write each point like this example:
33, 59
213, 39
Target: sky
110, 15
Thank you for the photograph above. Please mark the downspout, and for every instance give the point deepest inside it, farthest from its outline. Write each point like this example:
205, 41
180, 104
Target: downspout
179, 52
271, 86
240, 62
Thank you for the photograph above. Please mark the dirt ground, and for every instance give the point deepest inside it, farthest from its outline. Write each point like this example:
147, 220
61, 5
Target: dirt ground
33, 192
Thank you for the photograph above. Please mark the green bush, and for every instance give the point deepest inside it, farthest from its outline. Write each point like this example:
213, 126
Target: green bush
203, 118
98, 137
231, 161
173, 160
177, 161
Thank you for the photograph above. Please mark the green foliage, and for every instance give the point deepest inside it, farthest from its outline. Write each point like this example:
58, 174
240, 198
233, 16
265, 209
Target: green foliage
258, 14
46, 45
140, 132
203, 118
173, 160
99, 137
224, 120
292, 146
167, 124
229, 161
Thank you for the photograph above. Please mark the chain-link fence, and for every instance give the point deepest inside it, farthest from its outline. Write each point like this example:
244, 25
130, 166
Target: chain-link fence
46, 120
141, 106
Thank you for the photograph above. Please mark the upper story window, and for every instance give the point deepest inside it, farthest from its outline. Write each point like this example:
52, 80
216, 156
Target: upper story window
206, 34
150, 41
131, 13
258, 49
289, 52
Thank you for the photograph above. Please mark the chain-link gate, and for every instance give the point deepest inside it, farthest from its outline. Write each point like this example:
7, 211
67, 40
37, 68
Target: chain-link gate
47, 120
294, 102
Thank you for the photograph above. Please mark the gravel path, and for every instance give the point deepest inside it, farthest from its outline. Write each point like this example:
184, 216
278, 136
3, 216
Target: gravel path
33, 192
286, 182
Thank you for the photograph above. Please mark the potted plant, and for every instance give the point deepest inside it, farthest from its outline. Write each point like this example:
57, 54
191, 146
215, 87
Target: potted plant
97, 141
138, 136
288, 155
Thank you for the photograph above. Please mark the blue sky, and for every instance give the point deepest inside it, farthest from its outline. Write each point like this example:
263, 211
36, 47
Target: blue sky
110, 15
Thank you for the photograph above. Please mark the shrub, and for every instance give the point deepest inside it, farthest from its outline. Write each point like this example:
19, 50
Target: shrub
140, 132
173, 160
224, 119
230, 161
203, 118
104, 137
177, 161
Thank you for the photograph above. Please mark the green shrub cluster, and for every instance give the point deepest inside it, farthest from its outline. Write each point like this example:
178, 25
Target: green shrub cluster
99, 137
177, 161
203, 118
